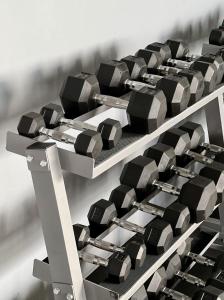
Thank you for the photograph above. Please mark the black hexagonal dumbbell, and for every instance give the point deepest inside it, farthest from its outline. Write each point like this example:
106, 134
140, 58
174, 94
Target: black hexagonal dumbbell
199, 193
134, 248
156, 287
88, 142
157, 235
109, 129
175, 88
197, 137
217, 265
176, 214
181, 142
173, 267
182, 59
118, 265
146, 108
216, 36
147, 66
165, 158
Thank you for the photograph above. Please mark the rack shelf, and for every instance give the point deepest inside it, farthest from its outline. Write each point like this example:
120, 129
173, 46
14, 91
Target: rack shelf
129, 144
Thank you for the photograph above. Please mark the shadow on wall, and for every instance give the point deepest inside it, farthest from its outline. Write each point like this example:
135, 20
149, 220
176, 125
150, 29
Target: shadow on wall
40, 86
196, 30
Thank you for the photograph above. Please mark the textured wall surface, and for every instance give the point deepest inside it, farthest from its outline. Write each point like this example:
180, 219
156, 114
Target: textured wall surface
41, 42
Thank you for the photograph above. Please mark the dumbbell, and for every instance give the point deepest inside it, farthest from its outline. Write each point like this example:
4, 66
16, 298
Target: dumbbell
137, 64
181, 142
208, 70
184, 251
173, 267
197, 137
109, 129
114, 77
117, 266
180, 54
198, 194
216, 36
135, 249
176, 214
88, 142
146, 108
157, 235
165, 159
157, 286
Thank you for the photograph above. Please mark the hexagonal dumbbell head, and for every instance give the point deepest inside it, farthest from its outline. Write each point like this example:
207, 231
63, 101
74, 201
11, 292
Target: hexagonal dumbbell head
217, 37
139, 173
152, 59
137, 252
52, 114
77, 94
82, 234
156, 283
89, 143
217, 60
164, 157
178, 48
185, 247
163, 49
146, 110
200, 195
30, 124
196, 133
111, 76
111, 133
215, 171
123, 198
209, 71
119, 265
136, 66
172, 265
196, 81
178, 139
177, 91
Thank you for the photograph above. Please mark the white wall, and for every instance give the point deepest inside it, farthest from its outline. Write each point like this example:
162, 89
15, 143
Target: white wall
41, 41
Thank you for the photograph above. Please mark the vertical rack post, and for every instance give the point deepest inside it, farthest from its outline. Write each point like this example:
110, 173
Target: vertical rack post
52, 202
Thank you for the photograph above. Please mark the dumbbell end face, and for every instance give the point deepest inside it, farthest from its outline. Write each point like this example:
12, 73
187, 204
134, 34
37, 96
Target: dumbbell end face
119, 267
111, 133
136, 66
217, 37
152, 59
111, 76
163, 49
210, 292
196, 133
158, 236
209, 71
52, 113
146, 110
200, 195
77, 94
196, 82
89, 143
157, 282
81, 234
178, 215
137, 252
177, 92
178, 48
215, 172
30, 124
172, 265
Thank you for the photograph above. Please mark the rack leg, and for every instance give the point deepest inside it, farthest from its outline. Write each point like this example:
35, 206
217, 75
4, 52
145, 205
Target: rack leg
52, 202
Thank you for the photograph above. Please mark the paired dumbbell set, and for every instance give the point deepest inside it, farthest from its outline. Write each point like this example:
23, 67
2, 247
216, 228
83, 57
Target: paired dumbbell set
141, 177
203, 281
157, 82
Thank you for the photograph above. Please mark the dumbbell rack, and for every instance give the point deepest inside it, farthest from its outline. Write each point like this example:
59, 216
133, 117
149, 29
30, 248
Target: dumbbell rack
70, 278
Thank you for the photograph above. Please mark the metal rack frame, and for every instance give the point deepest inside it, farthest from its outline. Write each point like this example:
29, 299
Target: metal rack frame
69, 277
